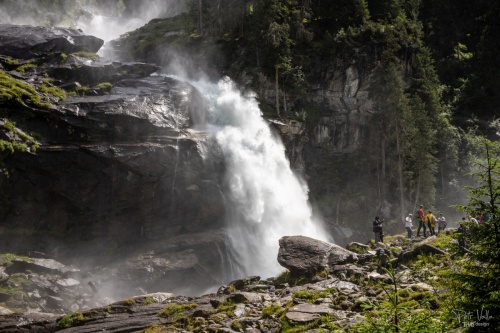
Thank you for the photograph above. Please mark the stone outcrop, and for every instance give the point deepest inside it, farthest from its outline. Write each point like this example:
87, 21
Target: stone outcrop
119, 178
305, 255
249, 304
422, 249
27, 42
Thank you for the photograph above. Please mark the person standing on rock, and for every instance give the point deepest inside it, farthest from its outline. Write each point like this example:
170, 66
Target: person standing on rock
430, 219
409, 225
377, 229
421, 222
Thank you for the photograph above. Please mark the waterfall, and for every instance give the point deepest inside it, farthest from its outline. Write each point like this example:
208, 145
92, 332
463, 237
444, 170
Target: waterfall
266, 200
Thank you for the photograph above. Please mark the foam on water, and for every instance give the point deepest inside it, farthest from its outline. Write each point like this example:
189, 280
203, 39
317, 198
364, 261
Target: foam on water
265, 199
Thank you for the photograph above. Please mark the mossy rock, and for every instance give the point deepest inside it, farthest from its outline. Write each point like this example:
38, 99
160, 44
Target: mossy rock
358, 247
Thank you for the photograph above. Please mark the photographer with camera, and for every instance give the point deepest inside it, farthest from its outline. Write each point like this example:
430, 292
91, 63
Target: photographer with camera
377, 230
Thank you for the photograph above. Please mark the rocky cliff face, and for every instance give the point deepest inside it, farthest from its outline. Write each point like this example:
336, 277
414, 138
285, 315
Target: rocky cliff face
119, 174
326, 146
121, 178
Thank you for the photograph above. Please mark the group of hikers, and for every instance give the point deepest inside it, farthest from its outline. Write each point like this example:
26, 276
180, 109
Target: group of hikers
425, 222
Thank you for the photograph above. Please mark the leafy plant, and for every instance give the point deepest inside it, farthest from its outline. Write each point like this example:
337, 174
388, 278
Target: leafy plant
475, 279
397, 313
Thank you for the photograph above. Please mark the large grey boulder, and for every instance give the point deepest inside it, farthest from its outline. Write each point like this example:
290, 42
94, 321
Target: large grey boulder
26, 42
305, 255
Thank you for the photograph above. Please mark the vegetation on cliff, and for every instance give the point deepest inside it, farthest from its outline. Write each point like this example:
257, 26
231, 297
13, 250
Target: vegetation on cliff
417, 147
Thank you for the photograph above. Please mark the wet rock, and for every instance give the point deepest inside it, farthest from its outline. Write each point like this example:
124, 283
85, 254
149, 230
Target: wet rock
98, 71
28, 322
26, 42
38, 265
68, 282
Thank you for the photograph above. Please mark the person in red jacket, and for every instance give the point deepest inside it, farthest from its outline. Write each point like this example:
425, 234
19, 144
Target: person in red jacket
421, 222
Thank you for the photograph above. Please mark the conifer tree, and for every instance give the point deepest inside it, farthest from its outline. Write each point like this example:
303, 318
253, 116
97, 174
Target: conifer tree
476, 280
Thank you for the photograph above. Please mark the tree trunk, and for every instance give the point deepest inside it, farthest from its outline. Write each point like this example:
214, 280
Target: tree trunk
277, 92
382, 168
200, 15
417, 192
284, 98
337, 212
400, 172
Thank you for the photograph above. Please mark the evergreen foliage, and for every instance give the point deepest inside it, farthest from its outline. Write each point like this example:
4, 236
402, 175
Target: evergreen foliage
398, 312
475, 281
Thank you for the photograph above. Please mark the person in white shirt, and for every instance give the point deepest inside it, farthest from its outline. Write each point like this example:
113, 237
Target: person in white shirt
441, 222
409, 225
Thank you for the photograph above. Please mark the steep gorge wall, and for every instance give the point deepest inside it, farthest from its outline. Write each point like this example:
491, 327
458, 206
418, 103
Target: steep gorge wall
120, 179
325, 147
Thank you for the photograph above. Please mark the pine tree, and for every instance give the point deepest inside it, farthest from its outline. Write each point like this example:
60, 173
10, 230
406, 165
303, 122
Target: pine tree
476, 280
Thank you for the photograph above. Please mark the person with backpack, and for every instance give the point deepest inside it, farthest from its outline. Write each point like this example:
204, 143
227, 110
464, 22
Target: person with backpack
377, 229
431, 223
421, 222
383, 261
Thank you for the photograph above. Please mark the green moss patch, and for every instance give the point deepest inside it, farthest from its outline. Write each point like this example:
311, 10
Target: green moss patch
175, 310
17, 92
86, 55
70, 320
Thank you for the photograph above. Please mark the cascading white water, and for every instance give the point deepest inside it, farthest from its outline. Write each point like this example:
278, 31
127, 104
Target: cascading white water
266, 200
